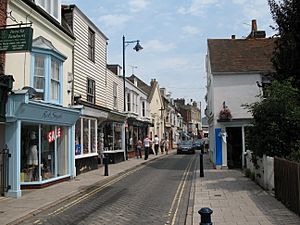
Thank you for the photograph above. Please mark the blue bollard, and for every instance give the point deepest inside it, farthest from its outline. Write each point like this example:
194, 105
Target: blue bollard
205, 216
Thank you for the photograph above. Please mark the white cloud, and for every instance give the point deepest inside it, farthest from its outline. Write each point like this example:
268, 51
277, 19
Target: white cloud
197, 7
190, 30
138, 5
113, 20
158, 46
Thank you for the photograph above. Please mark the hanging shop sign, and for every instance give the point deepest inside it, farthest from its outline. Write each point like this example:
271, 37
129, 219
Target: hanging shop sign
16, 39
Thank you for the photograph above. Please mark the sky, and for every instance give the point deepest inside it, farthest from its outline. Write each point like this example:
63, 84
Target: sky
173, 34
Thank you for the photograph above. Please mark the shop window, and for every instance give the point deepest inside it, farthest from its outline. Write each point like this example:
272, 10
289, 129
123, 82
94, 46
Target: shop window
85, 137
112, 136
44, 152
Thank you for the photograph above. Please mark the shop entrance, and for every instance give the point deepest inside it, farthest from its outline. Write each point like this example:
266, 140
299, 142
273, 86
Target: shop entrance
234, 147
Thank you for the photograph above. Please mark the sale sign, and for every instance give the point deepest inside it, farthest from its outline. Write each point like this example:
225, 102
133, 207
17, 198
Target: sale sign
53, 134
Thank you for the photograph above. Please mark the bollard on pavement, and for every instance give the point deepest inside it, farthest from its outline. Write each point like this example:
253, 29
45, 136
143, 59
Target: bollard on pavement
106, 162
205, 216
201, 165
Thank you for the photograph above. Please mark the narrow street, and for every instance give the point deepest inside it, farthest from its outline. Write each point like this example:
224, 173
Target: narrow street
156, 193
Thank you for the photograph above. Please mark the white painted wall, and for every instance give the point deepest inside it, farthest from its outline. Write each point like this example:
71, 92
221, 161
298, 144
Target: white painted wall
41, 27
235, 90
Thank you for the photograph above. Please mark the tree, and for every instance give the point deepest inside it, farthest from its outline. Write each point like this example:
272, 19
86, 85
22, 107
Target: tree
286, 59
276, 123
276, 119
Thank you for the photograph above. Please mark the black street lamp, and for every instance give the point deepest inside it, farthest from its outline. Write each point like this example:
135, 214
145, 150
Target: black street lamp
137, 48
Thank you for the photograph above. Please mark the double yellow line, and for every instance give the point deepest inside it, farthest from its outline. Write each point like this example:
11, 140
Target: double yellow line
178, 196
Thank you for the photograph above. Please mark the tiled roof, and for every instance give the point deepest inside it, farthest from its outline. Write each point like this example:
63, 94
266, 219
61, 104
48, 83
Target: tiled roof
241, 55
141, 84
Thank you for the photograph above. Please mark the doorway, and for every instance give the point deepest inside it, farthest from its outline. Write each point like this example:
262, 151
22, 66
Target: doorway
234, 147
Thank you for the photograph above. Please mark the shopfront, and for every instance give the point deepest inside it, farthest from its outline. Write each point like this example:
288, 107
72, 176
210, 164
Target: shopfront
136, 130
40, 138
112, 137
87, 146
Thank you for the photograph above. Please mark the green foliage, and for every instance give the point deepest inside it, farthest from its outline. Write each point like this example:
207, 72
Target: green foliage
247, 172
286, 14
276, 121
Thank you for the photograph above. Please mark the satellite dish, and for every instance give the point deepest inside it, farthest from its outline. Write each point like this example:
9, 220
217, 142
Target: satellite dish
31, 91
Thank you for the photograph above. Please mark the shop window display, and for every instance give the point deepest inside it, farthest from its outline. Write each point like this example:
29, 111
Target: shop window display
29, 154
112, 136
44, 152
85, 136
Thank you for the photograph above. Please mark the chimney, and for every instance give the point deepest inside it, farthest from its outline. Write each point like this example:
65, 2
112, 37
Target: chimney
233, 36
256, 33
254, 26
153, 81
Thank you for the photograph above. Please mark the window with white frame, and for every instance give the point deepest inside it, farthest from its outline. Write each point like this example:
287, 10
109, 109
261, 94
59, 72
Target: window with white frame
47, 77
55, 83
128, 102
91, 89
85, 136
91, 45
52, 7
115, 94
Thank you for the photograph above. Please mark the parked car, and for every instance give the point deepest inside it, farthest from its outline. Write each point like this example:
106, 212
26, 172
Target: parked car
185, 147
198, 144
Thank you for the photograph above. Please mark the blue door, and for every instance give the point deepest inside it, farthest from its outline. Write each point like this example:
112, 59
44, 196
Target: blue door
218, 144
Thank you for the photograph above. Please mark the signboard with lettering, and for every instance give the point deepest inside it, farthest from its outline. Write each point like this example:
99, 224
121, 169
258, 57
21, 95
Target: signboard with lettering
16, 39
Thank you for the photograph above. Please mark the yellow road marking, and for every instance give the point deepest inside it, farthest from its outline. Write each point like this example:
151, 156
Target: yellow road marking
179, 193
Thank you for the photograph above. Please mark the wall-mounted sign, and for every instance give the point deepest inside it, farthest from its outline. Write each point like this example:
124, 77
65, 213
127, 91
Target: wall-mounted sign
16, 39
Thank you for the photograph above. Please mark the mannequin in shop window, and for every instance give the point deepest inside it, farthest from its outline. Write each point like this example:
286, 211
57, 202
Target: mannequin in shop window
32, 159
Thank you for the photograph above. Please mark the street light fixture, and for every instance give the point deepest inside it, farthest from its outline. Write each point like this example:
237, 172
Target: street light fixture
137, 48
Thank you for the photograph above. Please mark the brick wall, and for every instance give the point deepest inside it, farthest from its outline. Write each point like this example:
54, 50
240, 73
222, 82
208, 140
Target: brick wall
3, 7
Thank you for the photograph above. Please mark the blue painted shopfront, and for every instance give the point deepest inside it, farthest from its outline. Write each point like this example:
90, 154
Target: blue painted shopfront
40, 138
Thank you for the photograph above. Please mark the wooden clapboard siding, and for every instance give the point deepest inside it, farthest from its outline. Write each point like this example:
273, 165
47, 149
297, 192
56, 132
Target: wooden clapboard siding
83, 67
111, 79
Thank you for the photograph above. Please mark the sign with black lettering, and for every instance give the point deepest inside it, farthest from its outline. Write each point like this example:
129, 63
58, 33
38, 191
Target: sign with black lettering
16, 39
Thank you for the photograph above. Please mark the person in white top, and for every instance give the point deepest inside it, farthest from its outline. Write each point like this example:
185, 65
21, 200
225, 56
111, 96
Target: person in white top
156, 144
147, 143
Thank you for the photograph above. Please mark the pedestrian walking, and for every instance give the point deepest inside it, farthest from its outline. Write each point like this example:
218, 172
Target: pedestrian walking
156, 144
138, 149
147, 143
162, 146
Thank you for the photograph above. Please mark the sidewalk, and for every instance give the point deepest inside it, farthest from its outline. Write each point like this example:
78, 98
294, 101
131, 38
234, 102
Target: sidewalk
237, 200
13, 210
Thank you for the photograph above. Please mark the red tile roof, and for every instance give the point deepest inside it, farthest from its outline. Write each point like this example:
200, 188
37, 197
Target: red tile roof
241, 55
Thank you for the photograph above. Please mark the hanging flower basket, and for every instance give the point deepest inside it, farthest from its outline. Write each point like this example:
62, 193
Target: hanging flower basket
225, 113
